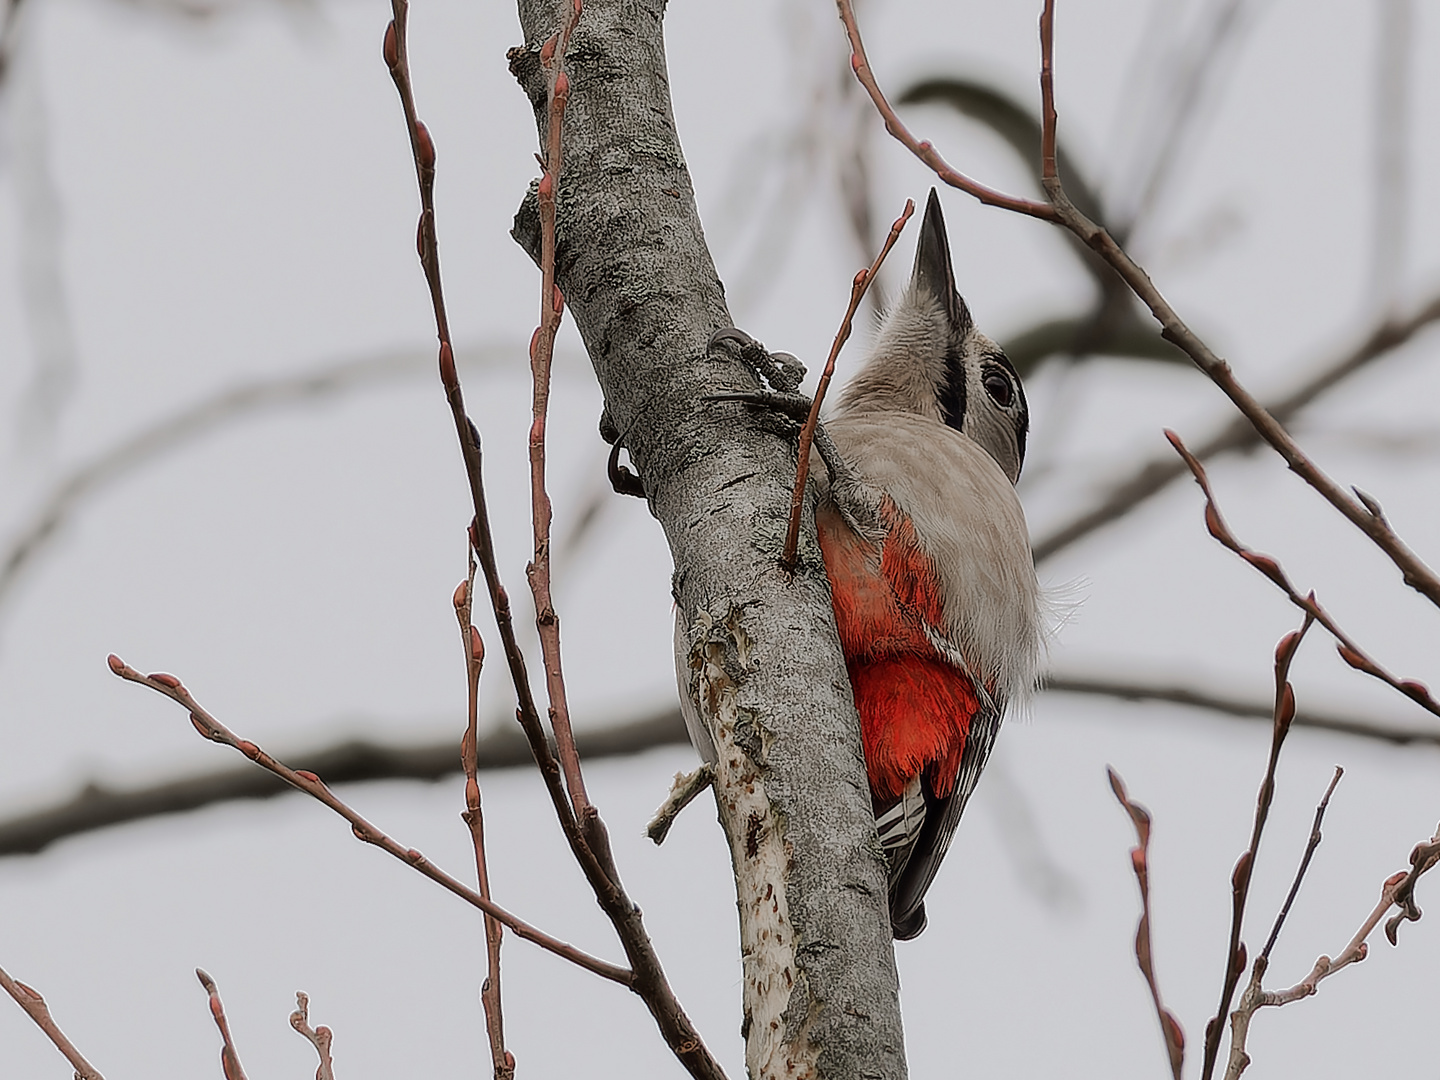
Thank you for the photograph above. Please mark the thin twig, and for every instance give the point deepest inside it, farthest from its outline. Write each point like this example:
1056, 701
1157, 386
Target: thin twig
1398, 889
1239, 435
925, 151
542, 353
1250, 1000
423, 150
858, 288
1422, 858
29, 999
474, 818
1048, 119
1363, 513
1310, 846
316, 788
320, 1037
682, 793
585, 834
1141, 690
1351, 653
1140, 859
229, 1056
1284, 714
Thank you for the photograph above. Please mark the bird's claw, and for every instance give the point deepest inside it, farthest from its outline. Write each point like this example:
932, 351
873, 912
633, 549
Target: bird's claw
790, 404
781, 371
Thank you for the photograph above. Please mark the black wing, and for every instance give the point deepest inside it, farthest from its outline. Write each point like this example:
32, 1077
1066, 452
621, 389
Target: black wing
912, 869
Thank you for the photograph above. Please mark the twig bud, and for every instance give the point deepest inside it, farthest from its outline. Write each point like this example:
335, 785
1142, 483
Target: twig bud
462, 595
547, 51
116, 664
477, 646
546, 188
1354, 659
447, 367
1240, 876
1286, 712
392, 47
165, 680
1286, 648
1415, 688
562, 89
425, 146
557, 301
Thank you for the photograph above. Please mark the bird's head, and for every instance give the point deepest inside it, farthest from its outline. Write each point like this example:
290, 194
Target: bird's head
929, 359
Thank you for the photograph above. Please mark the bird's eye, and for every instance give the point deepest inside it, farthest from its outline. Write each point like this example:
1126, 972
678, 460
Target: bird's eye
999, 388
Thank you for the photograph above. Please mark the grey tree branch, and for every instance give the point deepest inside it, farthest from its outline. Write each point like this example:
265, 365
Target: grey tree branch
355, 761
1239, 435
96, 806
1141, 689
821, 995
197, 420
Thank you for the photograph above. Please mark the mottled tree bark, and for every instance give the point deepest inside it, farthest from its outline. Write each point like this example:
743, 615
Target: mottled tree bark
820, 988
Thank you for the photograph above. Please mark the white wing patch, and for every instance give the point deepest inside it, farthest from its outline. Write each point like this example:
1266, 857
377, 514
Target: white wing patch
899, 825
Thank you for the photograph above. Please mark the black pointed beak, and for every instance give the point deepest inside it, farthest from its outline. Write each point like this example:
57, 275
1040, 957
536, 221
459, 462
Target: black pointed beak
934, 272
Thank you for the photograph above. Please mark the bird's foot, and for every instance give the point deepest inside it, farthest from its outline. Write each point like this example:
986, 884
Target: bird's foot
780, 371
786, 403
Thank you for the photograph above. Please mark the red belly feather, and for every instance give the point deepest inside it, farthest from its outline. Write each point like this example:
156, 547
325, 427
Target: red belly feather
915, 707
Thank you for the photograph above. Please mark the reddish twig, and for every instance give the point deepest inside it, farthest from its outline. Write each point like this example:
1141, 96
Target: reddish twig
1351, 653
1362, 511
1235, 958
858, 289
501, 1059
423, 150
30, 999
1048, 119
542, 352
313, 786
229, 1056
1139, 858
481, 538
584, 832
1398, 889
924, 150
320, 1037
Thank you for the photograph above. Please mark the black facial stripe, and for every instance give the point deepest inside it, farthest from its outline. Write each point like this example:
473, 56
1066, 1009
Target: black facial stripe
950, 395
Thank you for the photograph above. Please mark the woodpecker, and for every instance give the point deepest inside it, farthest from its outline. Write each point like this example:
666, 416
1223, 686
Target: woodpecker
928, 556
